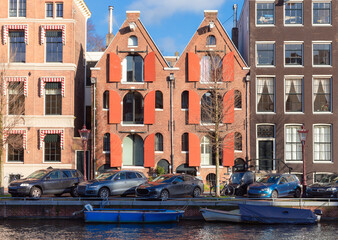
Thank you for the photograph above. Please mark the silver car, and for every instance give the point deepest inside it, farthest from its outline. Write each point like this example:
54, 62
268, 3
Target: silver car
112, 183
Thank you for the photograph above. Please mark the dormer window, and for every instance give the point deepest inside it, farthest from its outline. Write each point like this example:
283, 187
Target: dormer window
211, 40
132, 41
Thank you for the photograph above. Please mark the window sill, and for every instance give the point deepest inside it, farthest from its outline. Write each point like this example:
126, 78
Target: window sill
294, 113
159, 109
106, 152
136, 83
132, 167
294, 162
265, 25
321, 25
293, 25
133, 46
323, 162
158, 152
323, 66
184, 109
268, 113
321, 113
13, 162
265, 66
209, 166
293, 66
131, 125
49, 162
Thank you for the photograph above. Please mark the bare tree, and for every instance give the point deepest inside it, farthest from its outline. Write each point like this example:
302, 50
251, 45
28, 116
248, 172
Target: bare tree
94, 41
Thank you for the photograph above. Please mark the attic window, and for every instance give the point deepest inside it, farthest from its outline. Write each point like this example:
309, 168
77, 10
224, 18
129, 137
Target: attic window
211, 40
132, 41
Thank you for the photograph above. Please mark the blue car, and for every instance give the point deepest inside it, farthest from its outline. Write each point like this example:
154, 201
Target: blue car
274, 186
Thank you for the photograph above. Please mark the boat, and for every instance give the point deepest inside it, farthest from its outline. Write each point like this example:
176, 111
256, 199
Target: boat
263, 214
107, 215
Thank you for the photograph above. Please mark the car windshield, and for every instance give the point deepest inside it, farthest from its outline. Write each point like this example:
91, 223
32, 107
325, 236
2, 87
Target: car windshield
164, 179
37, 174
329, 179
106, 176
268, 179
236, 178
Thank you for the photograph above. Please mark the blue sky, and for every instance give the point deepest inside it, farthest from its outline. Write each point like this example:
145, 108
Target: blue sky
171, 23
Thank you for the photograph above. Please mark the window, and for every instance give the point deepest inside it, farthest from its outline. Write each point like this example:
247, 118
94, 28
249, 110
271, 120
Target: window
293, 146
208, 110
238, 141
185, 100
211, 69
238, 99
54, 46
322, 95
265, 94
52, 148
106, 100
133, 108
322, 13
106, 142
15, 152
322, 54
59, 10
49, 10
134, 68
17, 46
265, 13
53, 98
16, 98
17, 8
185, 142
294, 54
133, 151
293, 95
322, 143
158, 100
132, 41
211, 40
158, 142
293, 13
265, 54
206, 151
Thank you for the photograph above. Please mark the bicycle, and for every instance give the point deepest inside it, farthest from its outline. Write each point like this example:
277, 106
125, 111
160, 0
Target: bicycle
225, 189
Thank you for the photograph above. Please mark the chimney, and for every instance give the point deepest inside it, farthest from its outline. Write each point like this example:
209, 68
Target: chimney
110, 35
234, 34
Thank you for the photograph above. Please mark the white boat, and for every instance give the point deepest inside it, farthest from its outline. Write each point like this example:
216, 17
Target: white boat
222, 216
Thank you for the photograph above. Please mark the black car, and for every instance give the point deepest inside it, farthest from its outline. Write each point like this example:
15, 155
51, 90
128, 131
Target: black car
47, 181
327, 187
171, 185
239, 181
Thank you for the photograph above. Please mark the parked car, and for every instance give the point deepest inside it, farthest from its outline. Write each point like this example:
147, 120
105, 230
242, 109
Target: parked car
275, 185
171, 185
112, 183
47, 181
327, 187
239, 181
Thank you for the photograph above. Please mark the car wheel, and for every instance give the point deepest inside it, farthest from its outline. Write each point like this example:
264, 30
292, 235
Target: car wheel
239, 192
35, 192
164, 195
104, 193
297, 193
274, 194
74, 192
196, 193
58, 195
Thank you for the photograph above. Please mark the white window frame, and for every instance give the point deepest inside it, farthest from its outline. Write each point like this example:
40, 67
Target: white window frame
43, 152
313, 144
274, 54
274, 93
47, 3
285, 126
284, 13
324, 43
329, 77
56, 4
132, 46
17, 10
284, 55
124, 74
294, 77
274, 14
318, 24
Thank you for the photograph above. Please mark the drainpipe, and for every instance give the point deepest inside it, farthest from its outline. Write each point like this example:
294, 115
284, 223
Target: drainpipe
93, 81
171, 82
247, 82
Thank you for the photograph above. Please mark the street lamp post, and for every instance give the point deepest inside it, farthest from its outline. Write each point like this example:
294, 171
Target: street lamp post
84, 134
302, 136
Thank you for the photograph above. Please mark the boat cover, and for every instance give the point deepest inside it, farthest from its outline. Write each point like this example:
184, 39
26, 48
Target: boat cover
270, 214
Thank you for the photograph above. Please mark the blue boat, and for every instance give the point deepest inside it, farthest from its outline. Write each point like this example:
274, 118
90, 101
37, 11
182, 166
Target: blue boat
106, 215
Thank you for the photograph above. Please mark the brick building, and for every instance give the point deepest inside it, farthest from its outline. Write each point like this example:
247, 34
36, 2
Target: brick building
148, 112
42, 48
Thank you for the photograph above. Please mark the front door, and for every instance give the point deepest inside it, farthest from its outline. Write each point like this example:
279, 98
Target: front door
265, 155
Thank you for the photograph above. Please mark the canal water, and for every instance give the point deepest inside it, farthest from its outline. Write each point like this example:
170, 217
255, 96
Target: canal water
66, 229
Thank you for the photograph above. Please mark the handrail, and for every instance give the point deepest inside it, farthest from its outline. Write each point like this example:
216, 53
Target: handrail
269, 159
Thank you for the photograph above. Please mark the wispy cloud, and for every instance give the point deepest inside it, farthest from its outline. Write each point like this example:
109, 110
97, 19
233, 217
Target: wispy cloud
153, 11
168, 45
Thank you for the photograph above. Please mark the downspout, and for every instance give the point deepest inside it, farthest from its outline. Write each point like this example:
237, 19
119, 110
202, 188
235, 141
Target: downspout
247, 82
94, 126
171, 82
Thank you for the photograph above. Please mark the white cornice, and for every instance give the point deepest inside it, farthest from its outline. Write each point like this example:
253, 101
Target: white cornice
41, 121
35, 20
83, 7
42, 66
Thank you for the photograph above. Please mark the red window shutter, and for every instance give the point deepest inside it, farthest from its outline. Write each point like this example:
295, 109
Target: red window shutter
149, 151
193, 67
194, 114
114, 107
194, 150
228, 67
115, 72
149, 67
149, 108
115, 151
228, 107
229, 150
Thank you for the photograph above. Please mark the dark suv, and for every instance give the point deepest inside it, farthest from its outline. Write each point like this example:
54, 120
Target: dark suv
47, 181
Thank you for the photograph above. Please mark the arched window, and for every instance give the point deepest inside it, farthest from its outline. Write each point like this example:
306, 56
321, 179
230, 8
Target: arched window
158, 142
133, 108
238, 141
106, 100
211, 69
238, 99
185, 100
158, 100
211, 40
132, 68
164, 164
132, 41
206, 151
208, 107
211, 179
185, 142
106, 142
133, 154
